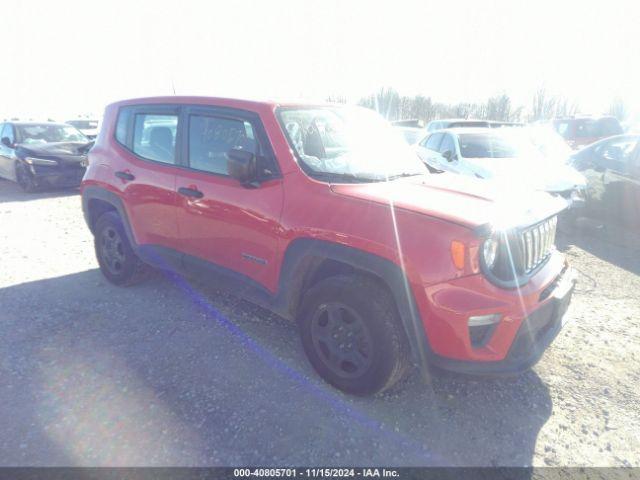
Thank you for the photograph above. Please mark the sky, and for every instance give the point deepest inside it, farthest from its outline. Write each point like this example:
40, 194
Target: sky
69, 58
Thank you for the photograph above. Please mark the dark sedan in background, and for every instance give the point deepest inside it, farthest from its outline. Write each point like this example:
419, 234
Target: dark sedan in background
42, 154
612, 169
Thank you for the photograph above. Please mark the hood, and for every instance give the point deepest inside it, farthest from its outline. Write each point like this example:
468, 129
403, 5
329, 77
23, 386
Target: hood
463, 200
535, 173
55, 149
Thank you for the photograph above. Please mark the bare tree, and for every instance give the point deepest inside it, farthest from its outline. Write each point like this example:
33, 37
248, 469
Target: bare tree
618, 109
333, 98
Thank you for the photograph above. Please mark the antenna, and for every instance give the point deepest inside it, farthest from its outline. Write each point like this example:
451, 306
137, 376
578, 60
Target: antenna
173, 87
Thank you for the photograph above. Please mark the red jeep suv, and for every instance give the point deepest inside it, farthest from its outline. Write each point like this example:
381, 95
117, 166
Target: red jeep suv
325, 216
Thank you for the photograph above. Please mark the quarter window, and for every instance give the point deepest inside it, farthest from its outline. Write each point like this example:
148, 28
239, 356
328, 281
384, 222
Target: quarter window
210, 138
154, 137
122, 125
433, 142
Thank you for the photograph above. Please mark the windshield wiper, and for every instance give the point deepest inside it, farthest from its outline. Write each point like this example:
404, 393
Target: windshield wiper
347, 177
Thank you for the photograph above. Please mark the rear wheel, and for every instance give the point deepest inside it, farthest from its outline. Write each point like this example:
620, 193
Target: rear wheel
117, 260
25, 179
352, 335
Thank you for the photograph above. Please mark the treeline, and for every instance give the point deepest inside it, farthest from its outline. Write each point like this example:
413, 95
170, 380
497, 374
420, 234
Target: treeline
393, 106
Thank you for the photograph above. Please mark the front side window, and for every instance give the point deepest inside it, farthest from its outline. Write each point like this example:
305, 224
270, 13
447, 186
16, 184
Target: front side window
348, 144
433, 142
154, 137
448, 145
48, 133
210, 138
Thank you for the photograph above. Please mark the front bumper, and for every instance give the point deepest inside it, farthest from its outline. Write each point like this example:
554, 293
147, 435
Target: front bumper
525, 319
65, 177
536, 332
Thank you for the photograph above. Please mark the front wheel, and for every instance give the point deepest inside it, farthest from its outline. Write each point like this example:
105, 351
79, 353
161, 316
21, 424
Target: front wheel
352, 335
118, 262
25, 179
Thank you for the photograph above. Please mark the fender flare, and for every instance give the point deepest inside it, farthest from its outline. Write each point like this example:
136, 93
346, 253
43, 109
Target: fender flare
92, 192
301, 255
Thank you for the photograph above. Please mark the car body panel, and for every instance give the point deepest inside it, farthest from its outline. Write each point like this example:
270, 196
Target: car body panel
612, 169
401, 229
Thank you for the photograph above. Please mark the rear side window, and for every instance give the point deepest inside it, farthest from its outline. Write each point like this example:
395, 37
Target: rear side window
122, 125
154, 137
210, 138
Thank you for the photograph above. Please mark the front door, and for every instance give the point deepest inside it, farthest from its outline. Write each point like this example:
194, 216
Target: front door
228, 225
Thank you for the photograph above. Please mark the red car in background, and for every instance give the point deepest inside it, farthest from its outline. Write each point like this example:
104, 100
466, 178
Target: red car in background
581, 131
325, 216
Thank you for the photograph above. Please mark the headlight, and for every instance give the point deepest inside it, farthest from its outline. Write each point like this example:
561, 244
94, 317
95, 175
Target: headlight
490, 250
40, 161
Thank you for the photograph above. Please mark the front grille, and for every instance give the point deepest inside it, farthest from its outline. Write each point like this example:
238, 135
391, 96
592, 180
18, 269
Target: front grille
536, 243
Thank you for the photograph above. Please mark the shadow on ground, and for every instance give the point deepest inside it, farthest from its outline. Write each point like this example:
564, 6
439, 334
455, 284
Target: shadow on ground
11, 192
166, 374
611, 243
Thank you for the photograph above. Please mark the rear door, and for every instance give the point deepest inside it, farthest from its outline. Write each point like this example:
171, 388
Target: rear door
145, 172
230, 226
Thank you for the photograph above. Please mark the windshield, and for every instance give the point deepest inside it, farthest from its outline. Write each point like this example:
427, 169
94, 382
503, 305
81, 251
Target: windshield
548, 142
43, 133
493, 145
84, 124
348, 143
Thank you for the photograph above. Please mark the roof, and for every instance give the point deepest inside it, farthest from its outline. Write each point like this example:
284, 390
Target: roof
474, 130
229, 102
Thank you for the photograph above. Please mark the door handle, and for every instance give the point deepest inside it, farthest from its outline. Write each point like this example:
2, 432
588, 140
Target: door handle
190, 192
125, 176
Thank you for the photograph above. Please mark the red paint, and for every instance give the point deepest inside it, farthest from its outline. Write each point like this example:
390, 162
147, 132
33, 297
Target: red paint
409, 222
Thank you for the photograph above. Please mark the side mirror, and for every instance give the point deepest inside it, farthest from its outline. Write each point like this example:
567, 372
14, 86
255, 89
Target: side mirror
241, 165
6, 142
449, 155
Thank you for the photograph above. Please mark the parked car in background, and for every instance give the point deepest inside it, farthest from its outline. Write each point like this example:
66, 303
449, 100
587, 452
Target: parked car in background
42, 154
612, 169
411, 135
503, 155
325, 216
581, 131
435, 125
548, 142
88, 127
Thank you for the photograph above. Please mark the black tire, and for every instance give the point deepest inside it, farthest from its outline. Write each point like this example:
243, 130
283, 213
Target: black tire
25, 179
371, 353
118, 262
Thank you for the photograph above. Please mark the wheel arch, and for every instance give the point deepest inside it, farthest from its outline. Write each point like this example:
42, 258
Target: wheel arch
307, 261
98, 200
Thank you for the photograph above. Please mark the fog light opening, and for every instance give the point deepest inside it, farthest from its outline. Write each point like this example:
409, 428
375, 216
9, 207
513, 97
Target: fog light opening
481, 328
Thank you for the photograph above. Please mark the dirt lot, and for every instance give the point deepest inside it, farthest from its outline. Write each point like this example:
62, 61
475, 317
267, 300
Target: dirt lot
169, 373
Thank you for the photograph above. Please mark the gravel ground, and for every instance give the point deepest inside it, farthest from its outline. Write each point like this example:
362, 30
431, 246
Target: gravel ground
170, 373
